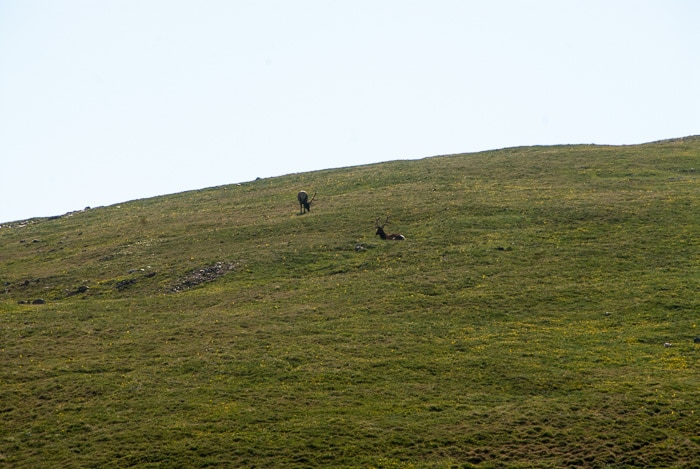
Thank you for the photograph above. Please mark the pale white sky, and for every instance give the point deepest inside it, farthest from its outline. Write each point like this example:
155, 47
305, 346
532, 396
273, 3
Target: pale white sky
104, 101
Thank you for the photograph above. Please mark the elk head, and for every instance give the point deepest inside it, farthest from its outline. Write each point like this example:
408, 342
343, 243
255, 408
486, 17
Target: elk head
304, 202
383, 235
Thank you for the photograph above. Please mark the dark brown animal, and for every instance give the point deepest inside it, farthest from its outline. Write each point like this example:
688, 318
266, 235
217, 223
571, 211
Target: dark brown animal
383, 235
304, 202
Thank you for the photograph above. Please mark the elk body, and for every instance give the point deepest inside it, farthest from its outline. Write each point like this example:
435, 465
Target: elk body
304, 202
383, 235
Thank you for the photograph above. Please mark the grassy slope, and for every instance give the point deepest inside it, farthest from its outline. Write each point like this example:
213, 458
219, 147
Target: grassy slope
521, 324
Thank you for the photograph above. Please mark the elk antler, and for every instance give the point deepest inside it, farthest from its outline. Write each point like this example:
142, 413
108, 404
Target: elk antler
376, 222
312, 198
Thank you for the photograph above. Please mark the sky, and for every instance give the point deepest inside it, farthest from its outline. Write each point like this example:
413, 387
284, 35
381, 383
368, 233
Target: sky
103, 102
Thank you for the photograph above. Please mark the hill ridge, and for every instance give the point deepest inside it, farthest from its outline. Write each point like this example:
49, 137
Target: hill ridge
686, 139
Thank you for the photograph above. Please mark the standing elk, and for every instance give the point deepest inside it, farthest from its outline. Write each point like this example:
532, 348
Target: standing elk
304, 202
383, 235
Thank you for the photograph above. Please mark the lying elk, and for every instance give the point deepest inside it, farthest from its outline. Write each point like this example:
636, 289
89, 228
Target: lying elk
390, 236
304, 202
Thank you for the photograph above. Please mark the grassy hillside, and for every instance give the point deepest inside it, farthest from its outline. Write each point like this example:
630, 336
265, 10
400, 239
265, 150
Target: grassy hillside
522, 323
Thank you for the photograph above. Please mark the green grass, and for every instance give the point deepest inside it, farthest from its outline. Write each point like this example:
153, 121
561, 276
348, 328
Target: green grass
521, 324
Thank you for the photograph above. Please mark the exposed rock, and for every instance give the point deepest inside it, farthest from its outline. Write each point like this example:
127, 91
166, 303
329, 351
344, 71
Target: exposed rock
121, 285
77, 291
205, 274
